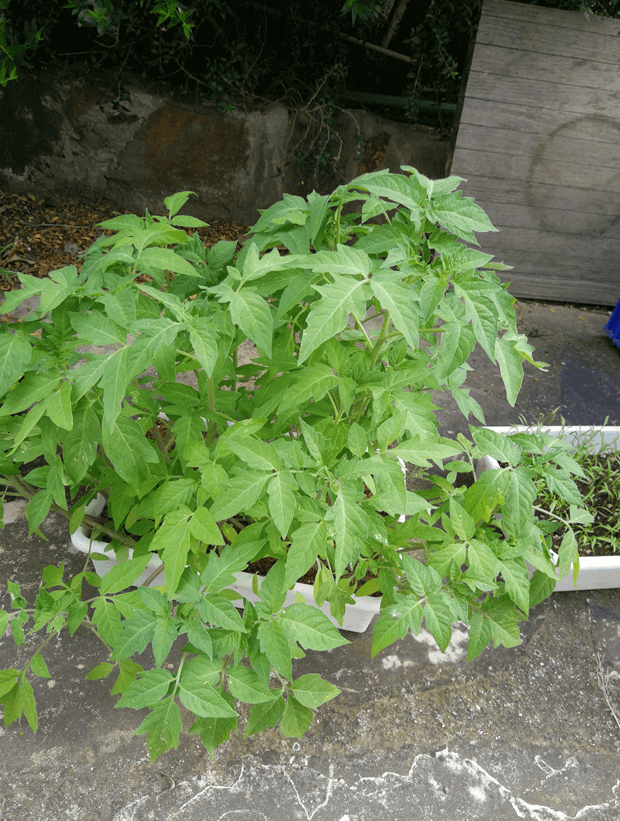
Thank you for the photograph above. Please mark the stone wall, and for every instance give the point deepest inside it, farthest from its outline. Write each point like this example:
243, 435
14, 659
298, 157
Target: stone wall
59, 139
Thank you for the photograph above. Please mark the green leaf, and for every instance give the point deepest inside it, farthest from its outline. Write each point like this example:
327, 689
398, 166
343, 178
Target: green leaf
175, 202
251, 313
200, 697
457, 342
399, 300
308, 542
344, 260
200, 638
28, 704
310, 627
568, 553
479, 636
146, 690
312, 691
163, 638
203, 526
220, 570
419, 450
129, 450
272, 590
8, 680
214, 731
4, 621
219, 612
76, 613
463, 524
312, 383
541, 587
39, 667
136, 634
265, 715
488, 492
123, 575
59, 407
438, 617
282, 505
97, 329
246, 686
15, 354
102, 670
127, 672
350, 527
459, 215
165, 260
393, 187
330, 314
275, 645
204, 341
511, 366
517, 581
163, 727
296, 719
395, 622
37, 509
173, 539
255, 453
238, 494
107, 619
494, 444
520, 496
114, 381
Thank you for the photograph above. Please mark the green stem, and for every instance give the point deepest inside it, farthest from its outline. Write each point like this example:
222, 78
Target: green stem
366, 337
29, 493
211, 427
160, 443
379, 344
337, 414
549, 513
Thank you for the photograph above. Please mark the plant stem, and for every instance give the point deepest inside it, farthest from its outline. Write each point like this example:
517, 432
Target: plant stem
211, 426
153, 575
366, 337
160, 443
379, 344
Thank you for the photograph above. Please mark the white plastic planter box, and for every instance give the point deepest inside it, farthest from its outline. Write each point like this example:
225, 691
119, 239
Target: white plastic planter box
357, 616
82, 542
595, 572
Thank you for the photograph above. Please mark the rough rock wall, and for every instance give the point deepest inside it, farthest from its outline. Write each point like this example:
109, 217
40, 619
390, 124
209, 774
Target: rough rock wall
56, 138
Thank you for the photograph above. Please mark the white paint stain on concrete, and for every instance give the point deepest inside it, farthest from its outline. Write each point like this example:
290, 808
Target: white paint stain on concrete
297, 792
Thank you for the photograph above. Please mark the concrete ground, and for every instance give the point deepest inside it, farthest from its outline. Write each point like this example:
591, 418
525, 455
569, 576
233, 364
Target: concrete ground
526, 733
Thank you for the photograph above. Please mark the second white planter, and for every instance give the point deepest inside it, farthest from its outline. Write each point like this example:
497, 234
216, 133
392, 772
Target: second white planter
595, 572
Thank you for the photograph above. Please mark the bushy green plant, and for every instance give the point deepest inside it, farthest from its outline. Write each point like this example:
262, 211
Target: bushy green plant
356, 307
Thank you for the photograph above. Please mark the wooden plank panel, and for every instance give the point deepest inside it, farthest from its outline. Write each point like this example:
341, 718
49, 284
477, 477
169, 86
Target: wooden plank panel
517, 116
561, 198
557, 18
569, 99
533, 36
606, 250
557, 289
537, 169
573, 150
532, 65
539, 148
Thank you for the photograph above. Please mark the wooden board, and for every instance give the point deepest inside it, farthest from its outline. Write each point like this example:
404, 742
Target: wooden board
539, 147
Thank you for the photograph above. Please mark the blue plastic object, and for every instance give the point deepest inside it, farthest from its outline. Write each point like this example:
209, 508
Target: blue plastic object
612, 328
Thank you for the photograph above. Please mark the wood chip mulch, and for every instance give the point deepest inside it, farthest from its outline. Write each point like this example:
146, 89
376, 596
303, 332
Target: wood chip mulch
39, 235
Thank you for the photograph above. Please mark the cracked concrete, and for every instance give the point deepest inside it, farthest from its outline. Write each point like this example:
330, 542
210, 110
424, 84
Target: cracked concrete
525, 733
